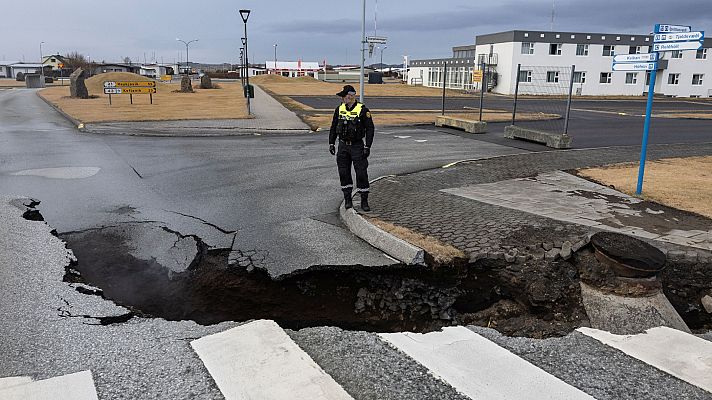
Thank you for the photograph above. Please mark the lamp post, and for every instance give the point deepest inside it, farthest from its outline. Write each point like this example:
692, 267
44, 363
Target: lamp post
363, 49
41, 65
384, 47
242, 66
275, 58
245, 14
186, 52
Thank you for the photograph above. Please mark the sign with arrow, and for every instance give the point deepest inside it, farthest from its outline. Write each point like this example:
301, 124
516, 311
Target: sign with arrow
696, 45
635, 66
635, 58
665, 28
678, 37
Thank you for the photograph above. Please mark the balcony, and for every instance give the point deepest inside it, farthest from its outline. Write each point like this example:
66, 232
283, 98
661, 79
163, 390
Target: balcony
488, 59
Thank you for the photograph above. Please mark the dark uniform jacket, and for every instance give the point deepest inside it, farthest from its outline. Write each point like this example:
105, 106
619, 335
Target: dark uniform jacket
367, 128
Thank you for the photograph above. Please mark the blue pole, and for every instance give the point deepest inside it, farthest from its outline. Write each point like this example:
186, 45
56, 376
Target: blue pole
646, 129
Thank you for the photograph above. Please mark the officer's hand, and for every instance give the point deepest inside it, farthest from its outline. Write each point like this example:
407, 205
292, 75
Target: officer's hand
366, 152
332, 149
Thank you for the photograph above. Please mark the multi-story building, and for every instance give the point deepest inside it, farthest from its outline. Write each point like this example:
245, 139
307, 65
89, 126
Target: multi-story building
682, 73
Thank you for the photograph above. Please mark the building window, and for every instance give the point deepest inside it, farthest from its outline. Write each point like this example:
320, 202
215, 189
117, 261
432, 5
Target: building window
605, 77
581, 49
697, 79
631, 78
527, 48
676, 54
647, 78
635, 50
579, 77
525, 76
552, 76
673, 79
609, 51
53, 60
555, 49
701, 54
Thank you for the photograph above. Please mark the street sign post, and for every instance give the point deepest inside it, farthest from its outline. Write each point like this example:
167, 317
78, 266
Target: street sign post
130, 88
376, 39
666, 38
635, 58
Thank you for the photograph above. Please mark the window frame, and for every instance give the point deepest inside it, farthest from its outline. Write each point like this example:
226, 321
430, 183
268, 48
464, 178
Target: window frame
554, 75
582, 77
529, 48
608, 78
633, 80
702, 52
673, 79
527, 74
699, 77
558, 49
584, 48
611, 50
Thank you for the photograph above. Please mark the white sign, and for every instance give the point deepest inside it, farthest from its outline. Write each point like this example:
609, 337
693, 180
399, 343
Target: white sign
634, 66
677, 46
627, 58
109, 84
663, 28
678, 37
111, 90
376, 39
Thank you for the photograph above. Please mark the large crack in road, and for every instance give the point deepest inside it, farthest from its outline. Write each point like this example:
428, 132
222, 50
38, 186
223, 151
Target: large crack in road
177, 276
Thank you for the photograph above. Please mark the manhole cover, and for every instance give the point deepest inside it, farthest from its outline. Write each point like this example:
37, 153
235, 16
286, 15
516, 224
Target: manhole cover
628, 256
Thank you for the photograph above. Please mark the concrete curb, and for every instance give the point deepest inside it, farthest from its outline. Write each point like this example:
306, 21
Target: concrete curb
192, 132
380, 239
77, 123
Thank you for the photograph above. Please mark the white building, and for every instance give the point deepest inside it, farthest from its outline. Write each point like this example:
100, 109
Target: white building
25, 68
546, 54
293, 69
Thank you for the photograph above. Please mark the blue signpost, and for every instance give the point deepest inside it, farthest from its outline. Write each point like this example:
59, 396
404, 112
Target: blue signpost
666, 38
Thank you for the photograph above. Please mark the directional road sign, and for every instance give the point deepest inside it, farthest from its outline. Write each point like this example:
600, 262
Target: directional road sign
144, 84
134, 90
376, 39
477, 75
679, 37
664, 28
635, 58
634, 66
696, 45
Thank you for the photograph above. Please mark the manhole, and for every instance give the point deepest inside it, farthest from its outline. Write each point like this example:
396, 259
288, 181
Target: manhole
627, 256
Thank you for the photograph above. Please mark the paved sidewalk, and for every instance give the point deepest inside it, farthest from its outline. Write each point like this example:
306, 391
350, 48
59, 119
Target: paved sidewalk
519, 207
269, 117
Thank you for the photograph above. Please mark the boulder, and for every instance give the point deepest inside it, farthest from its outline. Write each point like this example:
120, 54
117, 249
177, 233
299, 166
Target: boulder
77, 87
20, 77
206, 82
185, 85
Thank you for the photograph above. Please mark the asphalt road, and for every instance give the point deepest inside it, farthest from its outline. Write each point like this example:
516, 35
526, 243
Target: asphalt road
280, 195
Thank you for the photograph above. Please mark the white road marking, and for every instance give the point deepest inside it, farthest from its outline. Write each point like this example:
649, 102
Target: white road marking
680, 354
78, 386
61, 172
479, 368
14, 381
401, 137
421, 140
259, 361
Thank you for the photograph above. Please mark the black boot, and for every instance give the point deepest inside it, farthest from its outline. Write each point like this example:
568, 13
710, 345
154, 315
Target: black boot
364, 202
348, 203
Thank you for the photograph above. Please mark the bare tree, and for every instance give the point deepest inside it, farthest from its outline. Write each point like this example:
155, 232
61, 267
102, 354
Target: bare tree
127, 60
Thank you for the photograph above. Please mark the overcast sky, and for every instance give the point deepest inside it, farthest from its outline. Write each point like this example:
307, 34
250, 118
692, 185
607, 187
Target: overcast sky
309, 29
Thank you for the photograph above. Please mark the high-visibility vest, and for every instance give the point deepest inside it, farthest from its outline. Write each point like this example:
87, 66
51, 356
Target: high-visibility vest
350, 115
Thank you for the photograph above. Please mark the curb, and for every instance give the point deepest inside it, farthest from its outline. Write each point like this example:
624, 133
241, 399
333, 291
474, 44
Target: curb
380, 239
77, 124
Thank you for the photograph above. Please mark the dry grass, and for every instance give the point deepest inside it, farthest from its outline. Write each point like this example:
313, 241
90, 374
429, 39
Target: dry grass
441, 252
307, 86
395, 118
683, 183
225, 103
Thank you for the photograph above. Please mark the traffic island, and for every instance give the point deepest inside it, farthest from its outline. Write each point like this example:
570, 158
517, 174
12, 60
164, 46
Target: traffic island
469, 126
554, 140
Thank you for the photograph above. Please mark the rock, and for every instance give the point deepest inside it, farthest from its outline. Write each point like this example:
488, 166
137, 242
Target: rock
509, 258
707, 303
552, 254
676, 255
77, 87
206, 82
20, 77
522, 258
691, 256
579, 245
539, 254
185, 85
548, 246
566, 248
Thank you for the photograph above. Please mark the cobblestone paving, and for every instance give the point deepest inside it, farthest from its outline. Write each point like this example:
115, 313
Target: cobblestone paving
482, 230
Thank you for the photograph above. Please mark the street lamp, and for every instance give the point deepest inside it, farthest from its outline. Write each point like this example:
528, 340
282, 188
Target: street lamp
242, 65
41, 65
275, 58
245, 14
384, 47
186, 51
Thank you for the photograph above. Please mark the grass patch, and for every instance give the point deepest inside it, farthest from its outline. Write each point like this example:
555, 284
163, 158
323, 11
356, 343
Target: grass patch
226, 103
683, 183
441, 252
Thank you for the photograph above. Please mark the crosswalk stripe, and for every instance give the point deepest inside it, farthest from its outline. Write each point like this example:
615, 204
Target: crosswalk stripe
680, 354
14, 381
479, 368
259, 361
77, 386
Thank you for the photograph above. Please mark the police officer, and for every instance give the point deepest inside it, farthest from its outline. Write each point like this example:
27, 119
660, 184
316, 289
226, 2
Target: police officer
352, 124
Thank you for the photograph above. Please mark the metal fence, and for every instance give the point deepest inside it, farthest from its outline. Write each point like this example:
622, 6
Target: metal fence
546, 92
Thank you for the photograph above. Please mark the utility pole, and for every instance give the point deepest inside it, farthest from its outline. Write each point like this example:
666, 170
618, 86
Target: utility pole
363, 50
